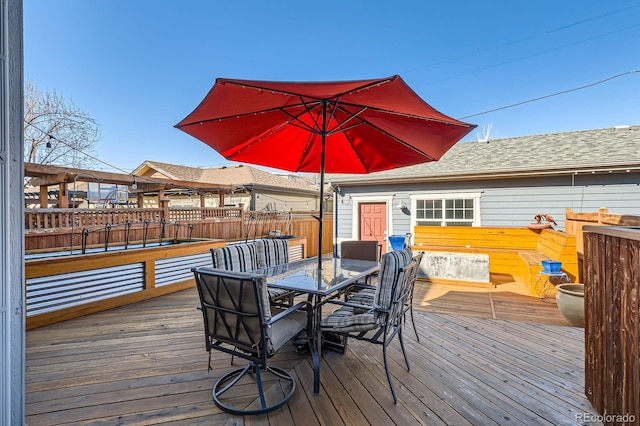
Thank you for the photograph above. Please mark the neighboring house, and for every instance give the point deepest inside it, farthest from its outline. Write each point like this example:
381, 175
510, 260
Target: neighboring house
255, 188
502, 182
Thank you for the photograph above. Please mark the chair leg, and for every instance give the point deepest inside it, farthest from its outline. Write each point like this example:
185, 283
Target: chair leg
386, 369
230, 379
415, 330
406, 360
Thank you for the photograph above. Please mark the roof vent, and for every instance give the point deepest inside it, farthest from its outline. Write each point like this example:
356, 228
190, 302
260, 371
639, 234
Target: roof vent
623, 127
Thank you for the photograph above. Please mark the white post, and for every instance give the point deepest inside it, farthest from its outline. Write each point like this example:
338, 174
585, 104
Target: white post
12, 322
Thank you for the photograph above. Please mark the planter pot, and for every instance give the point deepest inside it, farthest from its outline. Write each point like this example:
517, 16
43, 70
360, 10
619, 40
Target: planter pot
570, 299
539, 226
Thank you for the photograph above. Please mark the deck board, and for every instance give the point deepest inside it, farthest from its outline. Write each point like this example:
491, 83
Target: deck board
484, 357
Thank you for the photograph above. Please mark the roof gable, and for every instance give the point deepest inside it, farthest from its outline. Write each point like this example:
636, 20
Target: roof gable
240, 175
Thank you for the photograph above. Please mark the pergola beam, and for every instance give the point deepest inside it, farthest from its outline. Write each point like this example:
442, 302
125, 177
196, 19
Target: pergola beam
49, 175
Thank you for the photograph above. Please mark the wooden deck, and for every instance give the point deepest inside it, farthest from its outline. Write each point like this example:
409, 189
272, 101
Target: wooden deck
479, 361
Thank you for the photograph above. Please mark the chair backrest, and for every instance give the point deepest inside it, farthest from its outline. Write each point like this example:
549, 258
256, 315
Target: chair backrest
236, 257
414, 276
360, 250
272, 252
391, 265
402, 291
235, 306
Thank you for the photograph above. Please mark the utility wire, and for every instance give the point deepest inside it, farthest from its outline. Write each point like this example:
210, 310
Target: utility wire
150, 180
510, 61
527, 38
551, 95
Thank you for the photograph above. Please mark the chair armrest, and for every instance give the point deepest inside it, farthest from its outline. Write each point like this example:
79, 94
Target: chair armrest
288, 311
349, 304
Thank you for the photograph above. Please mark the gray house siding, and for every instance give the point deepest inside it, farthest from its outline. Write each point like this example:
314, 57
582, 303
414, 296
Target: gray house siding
504, 202
512, 179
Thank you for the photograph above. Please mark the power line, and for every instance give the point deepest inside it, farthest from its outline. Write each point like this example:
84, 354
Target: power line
150, 180
551, 95
510, 61
527, 38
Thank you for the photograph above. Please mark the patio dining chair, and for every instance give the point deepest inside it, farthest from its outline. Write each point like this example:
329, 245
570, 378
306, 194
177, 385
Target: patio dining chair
247, 257
360, 250
366, 295
240, 320
381, 321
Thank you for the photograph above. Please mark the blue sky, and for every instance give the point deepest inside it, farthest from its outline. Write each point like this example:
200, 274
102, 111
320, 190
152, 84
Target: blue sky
139, 66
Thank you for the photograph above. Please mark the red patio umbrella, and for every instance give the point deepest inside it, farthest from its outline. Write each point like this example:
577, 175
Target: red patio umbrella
359, 126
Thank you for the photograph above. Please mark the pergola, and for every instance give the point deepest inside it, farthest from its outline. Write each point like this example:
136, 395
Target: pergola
44, 176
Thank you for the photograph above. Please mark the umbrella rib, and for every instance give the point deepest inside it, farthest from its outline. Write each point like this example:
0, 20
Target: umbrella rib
302, 124
339, 127
246, 114
403, 114
295, 121
300, 95
305, 152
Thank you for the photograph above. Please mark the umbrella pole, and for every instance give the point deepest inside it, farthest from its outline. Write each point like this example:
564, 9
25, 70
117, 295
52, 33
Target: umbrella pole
322, 158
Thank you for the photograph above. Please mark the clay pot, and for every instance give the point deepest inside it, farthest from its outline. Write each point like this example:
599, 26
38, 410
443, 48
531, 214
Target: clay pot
535, 226
570, 299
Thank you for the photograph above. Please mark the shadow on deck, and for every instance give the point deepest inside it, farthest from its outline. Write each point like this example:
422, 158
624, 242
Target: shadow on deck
479, 361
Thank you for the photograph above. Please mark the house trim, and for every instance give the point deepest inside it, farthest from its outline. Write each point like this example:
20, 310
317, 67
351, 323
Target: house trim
355, 212
446, 195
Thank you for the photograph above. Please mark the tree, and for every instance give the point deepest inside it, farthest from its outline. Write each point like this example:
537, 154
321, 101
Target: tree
56, 131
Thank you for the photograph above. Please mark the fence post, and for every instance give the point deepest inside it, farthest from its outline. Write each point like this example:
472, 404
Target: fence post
601, 212
164, 204
241, 207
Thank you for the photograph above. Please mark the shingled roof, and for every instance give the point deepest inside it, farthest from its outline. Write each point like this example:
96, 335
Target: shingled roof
552, 153
236, 176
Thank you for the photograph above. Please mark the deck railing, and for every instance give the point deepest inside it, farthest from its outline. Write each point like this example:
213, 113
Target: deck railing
47, 229
575, 221
64, 218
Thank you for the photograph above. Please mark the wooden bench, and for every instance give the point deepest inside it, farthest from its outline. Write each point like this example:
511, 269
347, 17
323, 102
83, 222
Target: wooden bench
552, 245
515, 252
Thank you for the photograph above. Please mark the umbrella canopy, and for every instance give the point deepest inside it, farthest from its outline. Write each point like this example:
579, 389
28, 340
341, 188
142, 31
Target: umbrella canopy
359, 126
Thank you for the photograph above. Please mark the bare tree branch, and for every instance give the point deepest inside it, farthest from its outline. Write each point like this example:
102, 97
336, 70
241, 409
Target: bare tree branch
50, 119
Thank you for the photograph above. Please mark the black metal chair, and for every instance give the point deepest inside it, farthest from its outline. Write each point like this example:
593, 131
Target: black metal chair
408, 307
240, 320
381, 321
365, 294
361, 250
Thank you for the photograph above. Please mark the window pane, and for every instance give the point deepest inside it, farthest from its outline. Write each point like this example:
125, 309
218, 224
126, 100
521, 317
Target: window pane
445, 212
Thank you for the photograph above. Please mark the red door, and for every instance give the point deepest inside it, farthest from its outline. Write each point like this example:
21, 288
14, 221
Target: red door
373, 223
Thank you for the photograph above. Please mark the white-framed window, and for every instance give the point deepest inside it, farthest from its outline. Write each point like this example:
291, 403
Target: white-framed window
445, 209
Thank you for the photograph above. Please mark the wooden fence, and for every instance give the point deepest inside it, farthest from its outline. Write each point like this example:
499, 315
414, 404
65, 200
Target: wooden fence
50, 229
612, 321
575, 221
38, 219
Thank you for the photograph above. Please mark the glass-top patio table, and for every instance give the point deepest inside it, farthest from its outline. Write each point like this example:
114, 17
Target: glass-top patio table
304, 277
